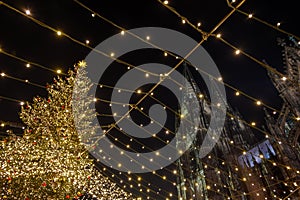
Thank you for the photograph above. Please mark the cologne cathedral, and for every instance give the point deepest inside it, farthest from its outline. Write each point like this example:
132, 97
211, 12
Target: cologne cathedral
240, 167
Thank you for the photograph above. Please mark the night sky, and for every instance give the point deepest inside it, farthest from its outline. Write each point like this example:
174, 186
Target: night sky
23, 38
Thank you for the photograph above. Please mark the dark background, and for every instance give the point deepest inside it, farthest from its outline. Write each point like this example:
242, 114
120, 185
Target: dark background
23, 38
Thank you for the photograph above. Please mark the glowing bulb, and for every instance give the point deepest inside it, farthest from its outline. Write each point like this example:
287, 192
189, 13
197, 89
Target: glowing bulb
147, 75
93, 15
58, 33
253, 123
283, 78
112, 54
237, 94
183, 21
250, 15
258, 103
148, 38
21, 103
165, 54
27, 12
219, 35
2, 74
58, 71
139, 91
237, 52
298, 118
122, 32
220, 79
95, 99
166, 2
278, 24
199, 24
200, 96
27, 65
87, 42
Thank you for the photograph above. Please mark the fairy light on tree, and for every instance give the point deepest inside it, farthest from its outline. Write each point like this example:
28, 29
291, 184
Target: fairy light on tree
49, 161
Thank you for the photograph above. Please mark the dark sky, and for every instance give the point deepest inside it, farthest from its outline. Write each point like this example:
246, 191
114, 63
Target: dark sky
23, 38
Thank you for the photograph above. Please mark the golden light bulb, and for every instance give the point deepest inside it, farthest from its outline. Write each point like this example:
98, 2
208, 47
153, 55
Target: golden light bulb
258, 103
2, 74
87, 42
199, 24
27, 12
253, 123
122, 32
58, 33
183, 21
27, 65
250, 15
219, 35
58, 71
237, 52
166, 2
237, 93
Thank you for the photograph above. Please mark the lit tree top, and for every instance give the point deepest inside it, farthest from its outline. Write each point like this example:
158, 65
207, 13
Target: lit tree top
49, 161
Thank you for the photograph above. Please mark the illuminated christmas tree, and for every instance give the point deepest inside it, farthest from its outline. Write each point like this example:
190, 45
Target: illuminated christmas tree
49, 161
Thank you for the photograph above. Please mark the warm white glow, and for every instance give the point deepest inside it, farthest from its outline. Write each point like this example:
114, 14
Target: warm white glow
139, 91
278, 24
199, 24
219, 35
237, 52
253, 123
258, 103
21, 103
93, 15
27, 12
237, 94
122, 32
220, 79
58, 71
165, 54
183, 21
2, 74
112, 54
166, 2
148, 38
87, 41
298, 118
58, 33
27, 65
284, 78
250, 15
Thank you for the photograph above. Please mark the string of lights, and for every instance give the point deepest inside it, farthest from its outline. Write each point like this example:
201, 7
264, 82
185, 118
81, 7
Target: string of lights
237, 91
205, 163
107, 101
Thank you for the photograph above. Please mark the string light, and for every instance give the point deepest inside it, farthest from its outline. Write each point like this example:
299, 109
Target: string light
166, 2
58, 33
27, 12
27, 65
58, 71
